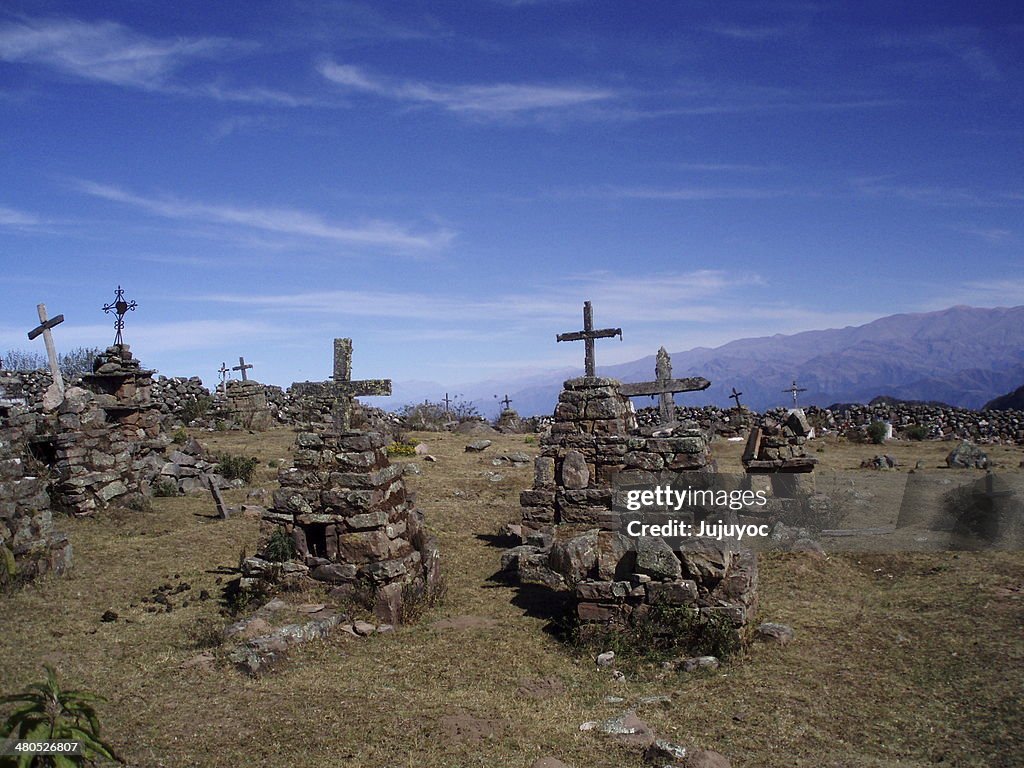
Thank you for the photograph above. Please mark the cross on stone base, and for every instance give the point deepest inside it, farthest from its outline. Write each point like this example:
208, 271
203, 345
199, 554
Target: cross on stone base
506, 402
342, 388
44, 328
736, 396
587, 336
665, 386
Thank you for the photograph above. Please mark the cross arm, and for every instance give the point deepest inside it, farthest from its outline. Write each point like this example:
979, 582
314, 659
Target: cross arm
605, 333
51, 323
669, 386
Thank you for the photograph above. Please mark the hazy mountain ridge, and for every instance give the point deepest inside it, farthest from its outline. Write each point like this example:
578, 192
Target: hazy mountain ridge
965, 356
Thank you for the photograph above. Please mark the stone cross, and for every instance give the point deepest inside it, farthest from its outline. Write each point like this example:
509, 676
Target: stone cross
44, 328
587, 336
665, 386
794, 390
506, 402
447, 402
343, 388
736, 396
223, 371
242, 367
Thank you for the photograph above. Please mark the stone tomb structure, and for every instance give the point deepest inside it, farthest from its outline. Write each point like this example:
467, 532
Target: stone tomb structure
29, 545
348, 513
778, 446
247, 405
106, 434
572, 533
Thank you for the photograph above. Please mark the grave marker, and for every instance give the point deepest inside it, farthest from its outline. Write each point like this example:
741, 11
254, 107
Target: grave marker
587, 336
665, 386
44, 328
343, 388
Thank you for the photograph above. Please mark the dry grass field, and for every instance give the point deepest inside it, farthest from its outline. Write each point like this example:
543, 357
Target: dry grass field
899, 659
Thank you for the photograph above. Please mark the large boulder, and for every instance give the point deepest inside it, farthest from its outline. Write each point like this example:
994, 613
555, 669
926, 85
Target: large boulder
967, 456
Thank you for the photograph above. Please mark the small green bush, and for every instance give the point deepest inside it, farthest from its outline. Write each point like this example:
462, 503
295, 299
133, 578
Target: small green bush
165, 488
237, 467
402, 449
47, 712
916, 432
220, 425
180, 436
196, 409
280, 547
876, 432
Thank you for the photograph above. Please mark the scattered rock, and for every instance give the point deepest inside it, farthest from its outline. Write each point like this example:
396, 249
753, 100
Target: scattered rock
770, 632
478, 445
108, 616
967, 456
363, 628
705, 758
695, 663
605, 659
205, 661
629, 729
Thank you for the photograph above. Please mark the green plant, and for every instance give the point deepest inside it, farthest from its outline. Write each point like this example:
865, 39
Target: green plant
664, 632
237, 467
165, 488
49, 713
876, 432
8, 566
220, 425
418, 598
402, 449
280, 547
915, 432
196, 408
180, 436
530, 440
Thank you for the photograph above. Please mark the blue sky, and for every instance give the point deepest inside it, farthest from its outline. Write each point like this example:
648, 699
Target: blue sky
447, 182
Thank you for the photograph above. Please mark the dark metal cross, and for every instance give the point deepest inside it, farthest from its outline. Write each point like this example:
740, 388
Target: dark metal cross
506, 402
342, 388
736, 396
447, 402
587, 336
794, 390
665, 386
44, 328
119, 307
242, 367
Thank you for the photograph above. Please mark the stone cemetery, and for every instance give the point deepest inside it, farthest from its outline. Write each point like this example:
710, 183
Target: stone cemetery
543, 639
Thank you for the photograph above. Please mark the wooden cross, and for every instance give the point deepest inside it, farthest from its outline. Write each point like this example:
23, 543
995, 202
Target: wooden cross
736, 396
665, 386
223, 371
44, 328
242, 367
447, 402
587, 336
793, 390
506, 402
342, 388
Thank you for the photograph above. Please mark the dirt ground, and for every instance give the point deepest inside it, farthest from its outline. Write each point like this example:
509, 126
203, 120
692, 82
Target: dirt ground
909, 659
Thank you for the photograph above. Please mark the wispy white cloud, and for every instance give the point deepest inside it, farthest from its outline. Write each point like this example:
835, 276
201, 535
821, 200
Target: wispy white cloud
280, 221
756, 33
1005, 291
495, 99
110, 52
929, 194
11, 217
678, 193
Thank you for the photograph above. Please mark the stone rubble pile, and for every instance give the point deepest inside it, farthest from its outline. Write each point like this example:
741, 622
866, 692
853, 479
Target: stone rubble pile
179, 397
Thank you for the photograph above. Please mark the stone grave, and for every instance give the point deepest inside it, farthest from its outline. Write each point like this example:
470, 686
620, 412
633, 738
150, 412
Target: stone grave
346, 508
571, 531
247, 405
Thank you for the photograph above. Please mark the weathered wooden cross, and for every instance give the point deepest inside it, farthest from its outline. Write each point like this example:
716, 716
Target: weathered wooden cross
447, 402
506, 402
223, 371
736, 396
342, 388
44, 328
242, 367
587, 336
793, 390
665, 386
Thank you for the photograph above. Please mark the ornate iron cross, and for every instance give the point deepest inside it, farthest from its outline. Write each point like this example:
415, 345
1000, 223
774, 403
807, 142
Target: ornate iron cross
119, 307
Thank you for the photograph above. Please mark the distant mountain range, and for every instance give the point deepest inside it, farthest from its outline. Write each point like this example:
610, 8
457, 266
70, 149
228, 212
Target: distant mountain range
963, 356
